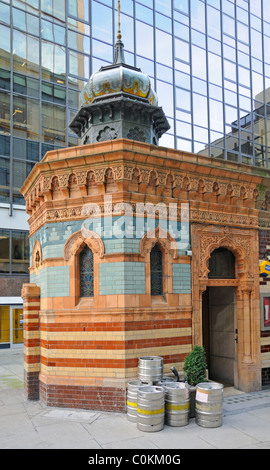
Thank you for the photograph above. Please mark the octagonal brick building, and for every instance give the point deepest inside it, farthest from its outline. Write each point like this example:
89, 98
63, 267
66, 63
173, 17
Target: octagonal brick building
128, 241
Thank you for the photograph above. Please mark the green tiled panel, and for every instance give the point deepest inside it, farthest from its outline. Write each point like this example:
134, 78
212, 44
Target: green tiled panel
122, 278
53, 281
181, 279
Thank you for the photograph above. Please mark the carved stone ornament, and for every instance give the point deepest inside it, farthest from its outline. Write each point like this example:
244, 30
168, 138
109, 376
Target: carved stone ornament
161, 236
136, 134
36, 256
63, 180
86, 237
107, 133
239, 245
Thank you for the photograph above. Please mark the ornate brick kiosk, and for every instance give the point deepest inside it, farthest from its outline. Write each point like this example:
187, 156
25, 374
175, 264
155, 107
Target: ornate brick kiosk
83, 348
122, 234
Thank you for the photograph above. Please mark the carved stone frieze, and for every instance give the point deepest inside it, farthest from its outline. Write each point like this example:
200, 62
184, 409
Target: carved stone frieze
162, 177
172, 211
145, 175
181, 181
81, 177
178, 180
99, 174
128, 172
223, 218
118, 172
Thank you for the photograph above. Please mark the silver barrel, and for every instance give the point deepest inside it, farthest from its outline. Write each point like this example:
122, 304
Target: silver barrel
209, 404
176, 404
150, 369
164, 381
150, 408
132, 392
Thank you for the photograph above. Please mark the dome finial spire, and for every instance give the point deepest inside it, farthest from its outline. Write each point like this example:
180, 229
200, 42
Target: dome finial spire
119, 46
119, 35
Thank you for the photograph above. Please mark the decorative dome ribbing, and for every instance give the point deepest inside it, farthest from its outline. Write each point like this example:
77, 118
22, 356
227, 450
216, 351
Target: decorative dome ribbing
118, 78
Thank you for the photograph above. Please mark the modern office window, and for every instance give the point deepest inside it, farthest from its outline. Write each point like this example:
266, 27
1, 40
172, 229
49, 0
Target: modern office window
21, 170
19, 252
25, 118
4, 113
53, 124
14, 252
53, 62
4, 178
25, 54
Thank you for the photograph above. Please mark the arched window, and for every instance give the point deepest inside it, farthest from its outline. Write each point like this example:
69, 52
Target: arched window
156, 271
222, 264
86, 273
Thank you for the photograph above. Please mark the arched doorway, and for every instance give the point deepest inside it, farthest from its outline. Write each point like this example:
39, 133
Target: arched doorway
242, 296
219, 319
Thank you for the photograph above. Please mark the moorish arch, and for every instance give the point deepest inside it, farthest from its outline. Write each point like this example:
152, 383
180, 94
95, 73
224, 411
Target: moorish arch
161, 237
234, 245
79, 239
162, 240
73, 248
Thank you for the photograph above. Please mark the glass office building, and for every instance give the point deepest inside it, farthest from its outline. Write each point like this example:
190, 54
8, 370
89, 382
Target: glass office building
208, 60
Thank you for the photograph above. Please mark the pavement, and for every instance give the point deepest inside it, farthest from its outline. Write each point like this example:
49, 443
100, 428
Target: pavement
28, 424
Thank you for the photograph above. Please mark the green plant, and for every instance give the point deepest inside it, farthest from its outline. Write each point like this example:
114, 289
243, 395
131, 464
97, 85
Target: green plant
195, 366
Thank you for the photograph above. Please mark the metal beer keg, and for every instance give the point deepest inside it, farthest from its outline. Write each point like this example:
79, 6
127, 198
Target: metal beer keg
176, 404
164, 381
209, 404
150, 408
132, 392
150, 369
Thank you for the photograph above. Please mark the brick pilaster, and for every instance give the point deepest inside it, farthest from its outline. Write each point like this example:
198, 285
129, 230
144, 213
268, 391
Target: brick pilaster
31, 332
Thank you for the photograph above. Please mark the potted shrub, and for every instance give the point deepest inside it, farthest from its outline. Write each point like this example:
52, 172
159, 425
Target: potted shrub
195, 368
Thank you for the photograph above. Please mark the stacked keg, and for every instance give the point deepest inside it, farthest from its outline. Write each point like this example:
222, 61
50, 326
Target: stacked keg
153, 397
150, 369
154, 400
150, 397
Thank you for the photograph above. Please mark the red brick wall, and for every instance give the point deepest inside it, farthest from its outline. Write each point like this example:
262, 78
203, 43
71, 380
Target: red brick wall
93, 398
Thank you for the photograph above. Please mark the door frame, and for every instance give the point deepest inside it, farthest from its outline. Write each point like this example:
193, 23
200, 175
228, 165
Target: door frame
206, 339
244, 245
10, 344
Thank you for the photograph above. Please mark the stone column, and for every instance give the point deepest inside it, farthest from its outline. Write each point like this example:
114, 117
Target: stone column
31, 305
248, 357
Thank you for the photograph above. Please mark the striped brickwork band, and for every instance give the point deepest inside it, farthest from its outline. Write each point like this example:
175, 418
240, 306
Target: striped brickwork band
88, 364
31, 305
111, 349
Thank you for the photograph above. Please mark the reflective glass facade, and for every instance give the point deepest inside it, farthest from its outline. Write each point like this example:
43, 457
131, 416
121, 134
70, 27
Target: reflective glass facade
209, 61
